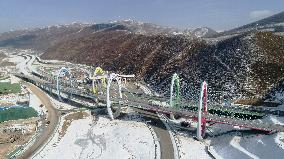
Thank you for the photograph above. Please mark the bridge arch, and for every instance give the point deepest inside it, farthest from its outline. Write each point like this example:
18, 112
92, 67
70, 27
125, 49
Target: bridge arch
98, 75
175, 82
201, 125
62, 73
110, 78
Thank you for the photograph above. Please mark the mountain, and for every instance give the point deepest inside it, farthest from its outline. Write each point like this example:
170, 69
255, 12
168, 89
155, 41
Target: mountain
247, 66
40, 38
203, 32
274, 23
243, 66
43, 38
152, 29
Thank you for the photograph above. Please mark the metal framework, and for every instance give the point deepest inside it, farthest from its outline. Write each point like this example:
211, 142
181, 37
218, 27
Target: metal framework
175, 81
98, 75
201, 125
251, 124
202, 117
110, 78
62, 73
118, 78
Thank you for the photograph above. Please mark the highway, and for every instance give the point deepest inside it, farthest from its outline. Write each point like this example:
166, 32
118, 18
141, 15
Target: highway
136, 101
245, 110
166, 147
143, 102
53, 118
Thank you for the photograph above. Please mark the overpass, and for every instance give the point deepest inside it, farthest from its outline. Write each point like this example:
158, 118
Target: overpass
235, 116
143, 102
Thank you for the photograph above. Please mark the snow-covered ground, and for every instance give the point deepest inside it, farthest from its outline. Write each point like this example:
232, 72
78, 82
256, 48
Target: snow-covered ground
191, 148
60, 105
16, 59
20, 61
102, 138
35, 103
233, 145
145, 89
130, 137
225, 141
186, 147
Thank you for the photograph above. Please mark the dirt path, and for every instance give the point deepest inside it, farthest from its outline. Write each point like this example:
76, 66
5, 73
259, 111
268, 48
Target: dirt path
53, 117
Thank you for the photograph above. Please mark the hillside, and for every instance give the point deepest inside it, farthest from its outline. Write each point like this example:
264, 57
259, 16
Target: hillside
274, 23
248, 65
39, 38
43, 38
244, 66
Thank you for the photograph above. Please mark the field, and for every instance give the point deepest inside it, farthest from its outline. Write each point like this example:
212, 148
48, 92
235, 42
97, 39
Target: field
17, 113
7, 87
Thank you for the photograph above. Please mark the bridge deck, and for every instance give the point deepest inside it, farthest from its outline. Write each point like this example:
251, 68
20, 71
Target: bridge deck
143, 103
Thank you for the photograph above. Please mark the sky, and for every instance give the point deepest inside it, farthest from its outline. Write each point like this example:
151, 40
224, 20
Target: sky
217, 14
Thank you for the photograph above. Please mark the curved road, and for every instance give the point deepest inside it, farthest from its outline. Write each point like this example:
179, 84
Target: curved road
167, 150
166, 145
53, 117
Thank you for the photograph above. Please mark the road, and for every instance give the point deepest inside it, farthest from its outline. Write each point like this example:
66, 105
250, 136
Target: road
166, 145
137, 101
53, 117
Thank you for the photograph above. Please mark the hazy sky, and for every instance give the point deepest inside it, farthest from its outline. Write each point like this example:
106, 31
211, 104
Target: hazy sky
217, 14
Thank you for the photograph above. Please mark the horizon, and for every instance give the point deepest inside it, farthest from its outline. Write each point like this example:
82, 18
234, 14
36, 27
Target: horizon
219, 15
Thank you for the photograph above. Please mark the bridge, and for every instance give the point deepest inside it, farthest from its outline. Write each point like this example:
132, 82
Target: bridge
176, 107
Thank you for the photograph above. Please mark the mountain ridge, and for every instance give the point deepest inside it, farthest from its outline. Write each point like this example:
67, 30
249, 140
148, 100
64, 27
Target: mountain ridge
44, 37
244, 66
274, 23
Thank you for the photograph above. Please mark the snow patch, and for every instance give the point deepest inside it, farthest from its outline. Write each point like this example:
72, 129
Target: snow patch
102, 139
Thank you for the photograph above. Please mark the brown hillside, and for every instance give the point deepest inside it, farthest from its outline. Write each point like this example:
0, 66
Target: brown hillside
242, 66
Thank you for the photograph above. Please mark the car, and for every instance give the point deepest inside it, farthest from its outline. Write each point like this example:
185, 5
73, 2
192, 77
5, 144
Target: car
47, 123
